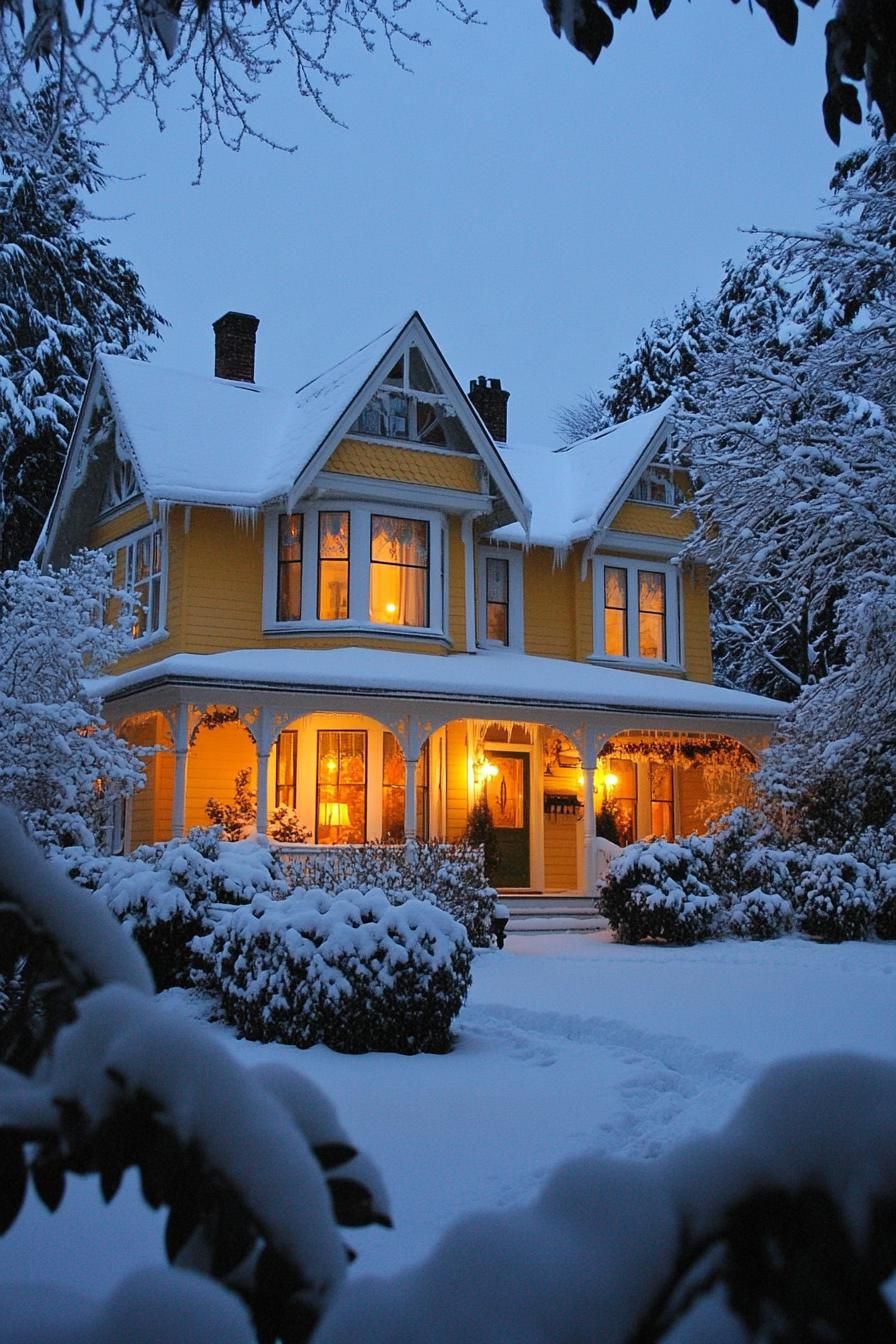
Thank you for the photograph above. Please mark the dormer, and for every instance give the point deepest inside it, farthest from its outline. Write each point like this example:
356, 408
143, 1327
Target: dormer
412, 404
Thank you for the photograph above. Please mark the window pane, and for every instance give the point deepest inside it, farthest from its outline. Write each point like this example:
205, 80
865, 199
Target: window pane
621, 791
497, 588
496, 580
496, 623
341, 788
332, 574
289, 568
393, 789
651, 614
615, 611
399, 571
287, 751
662, 819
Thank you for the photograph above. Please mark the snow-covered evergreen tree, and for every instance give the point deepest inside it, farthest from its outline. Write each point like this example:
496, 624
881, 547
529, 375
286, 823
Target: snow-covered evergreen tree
61, 766
62, 298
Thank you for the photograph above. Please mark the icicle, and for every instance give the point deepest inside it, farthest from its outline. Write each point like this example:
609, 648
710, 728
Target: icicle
244, 515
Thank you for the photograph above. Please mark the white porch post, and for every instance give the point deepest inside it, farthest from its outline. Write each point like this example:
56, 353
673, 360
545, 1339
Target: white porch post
589, 833
181, 736
264, 731
410, 797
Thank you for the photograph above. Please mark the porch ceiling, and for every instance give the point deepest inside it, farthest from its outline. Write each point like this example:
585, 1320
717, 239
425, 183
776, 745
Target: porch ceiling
492, 684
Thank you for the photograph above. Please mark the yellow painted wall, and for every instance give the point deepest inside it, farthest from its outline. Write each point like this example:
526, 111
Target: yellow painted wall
695, 626
415, 466
215, 757
456, 779
561, 841
101, 534
652, 520
457, 600
549, 604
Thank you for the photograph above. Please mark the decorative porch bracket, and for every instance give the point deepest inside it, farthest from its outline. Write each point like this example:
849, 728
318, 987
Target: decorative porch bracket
411, 732
264, 725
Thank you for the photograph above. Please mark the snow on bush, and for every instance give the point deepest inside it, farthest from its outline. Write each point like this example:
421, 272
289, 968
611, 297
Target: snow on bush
834, 898
163, 893
450, 875
657, 890
782, 1226
354, 971
759, 915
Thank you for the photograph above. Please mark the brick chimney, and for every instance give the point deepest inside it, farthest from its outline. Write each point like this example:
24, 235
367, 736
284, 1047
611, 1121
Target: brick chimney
490, 400
235, 347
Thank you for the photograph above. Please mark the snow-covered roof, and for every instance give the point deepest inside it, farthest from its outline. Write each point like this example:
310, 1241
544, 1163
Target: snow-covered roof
491, 677
205, 440
572, 490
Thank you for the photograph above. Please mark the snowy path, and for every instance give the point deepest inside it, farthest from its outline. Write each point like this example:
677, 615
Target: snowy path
568, 1044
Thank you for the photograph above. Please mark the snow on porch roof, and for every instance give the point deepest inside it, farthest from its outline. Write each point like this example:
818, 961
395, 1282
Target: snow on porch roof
206, 440
491, 677
570, 489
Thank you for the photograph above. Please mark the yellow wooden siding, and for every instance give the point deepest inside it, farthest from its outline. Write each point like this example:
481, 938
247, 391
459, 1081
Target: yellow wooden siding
549, 610
695, 626
381, 461
457, 591
561, 841
583, 596
456, 779
215, 758
652, 520
102, 534
222, 576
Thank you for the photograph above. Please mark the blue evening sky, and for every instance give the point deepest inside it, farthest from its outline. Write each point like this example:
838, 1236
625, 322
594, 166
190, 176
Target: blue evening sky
538, 211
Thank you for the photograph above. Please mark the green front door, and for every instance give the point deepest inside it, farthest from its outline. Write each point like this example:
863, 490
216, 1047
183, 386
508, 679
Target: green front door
508, 799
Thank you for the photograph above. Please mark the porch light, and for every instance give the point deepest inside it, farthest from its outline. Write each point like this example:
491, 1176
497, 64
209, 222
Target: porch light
610, 781
489, 771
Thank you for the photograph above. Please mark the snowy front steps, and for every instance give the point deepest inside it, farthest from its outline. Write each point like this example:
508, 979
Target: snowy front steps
552, 914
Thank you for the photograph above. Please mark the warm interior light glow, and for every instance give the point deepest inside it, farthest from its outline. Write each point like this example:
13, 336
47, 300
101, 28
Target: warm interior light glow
489, 771
391, 608
333, 814
610, 781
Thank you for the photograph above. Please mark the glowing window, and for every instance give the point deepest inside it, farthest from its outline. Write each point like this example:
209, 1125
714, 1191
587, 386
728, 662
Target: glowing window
615, 611
651, 613
399, 571
341, 812
332, 566
289, 567
497, 600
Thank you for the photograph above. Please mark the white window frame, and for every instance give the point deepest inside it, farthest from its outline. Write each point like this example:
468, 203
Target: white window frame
674, 642
658, 474
128, 544
515, 630
358, 620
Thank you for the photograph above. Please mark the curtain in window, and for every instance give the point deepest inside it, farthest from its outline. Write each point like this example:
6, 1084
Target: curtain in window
341, 787
399, 571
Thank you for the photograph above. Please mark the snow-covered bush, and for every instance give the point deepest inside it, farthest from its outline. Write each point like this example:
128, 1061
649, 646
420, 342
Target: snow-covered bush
61, 767
352, 971
235, 819
757, 914
451, 875
285, 826
162, 893
131, 1084
834, 898
658, 890
782, 1226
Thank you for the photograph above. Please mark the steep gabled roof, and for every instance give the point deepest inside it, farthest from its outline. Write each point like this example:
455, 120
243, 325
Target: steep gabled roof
576, 490
205, 440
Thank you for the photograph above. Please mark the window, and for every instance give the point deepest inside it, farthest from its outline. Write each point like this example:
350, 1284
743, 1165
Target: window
140, 563
341, 811
662, 805
651, 613
399, 571
286, 773
637, 616
409, 405
620, 781
500, 601
393, 790
657, 486
615, 611
497, 600
395, 582
289, 567
332, 567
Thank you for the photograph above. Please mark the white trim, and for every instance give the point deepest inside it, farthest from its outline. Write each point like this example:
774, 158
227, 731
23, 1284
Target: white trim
673, 634
358, 621
407, 493
638, 543
515, 606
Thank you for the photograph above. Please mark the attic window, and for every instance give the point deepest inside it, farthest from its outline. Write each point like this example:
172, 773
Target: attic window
657, 486
409, 405
121, 486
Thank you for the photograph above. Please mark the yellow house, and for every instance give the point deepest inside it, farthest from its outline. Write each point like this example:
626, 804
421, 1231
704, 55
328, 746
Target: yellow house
366, 597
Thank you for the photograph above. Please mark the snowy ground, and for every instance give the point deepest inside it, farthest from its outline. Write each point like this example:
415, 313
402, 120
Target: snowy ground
568, 1044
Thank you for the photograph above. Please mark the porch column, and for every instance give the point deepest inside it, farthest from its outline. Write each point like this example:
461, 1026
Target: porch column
264, 725
589, 833
261, 807
181, 736
410, 797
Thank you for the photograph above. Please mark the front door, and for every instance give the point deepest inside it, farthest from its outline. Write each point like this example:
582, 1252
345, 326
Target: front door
508, 798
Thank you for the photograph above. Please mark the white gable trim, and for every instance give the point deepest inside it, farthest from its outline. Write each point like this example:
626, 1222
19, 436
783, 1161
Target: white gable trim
645, 457
414, 332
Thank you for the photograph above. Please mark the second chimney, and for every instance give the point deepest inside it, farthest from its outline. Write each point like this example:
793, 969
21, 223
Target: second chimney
490, 400
235, 347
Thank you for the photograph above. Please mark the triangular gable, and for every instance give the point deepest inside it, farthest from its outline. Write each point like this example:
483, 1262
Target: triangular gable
652, 429
411, 347
99, 474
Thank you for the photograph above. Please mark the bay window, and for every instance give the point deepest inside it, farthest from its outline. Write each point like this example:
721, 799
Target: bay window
357, 566
636, 611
